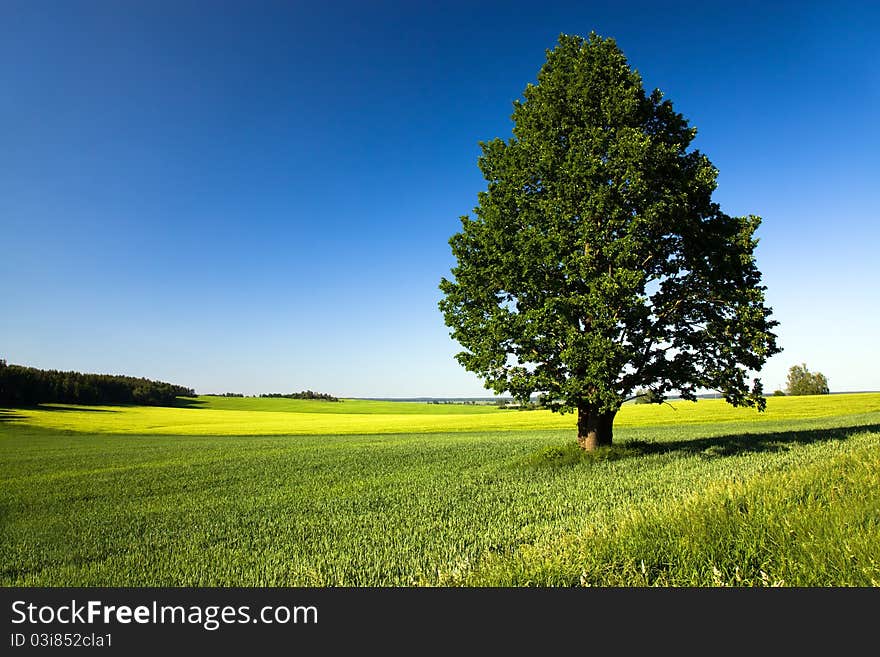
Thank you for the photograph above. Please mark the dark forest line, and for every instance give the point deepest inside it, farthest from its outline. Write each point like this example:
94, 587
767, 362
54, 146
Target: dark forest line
28, 386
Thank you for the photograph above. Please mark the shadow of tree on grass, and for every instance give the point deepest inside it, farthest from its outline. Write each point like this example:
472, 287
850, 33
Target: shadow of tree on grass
63, 408
7, 415
188, 402
743, 443
710, 447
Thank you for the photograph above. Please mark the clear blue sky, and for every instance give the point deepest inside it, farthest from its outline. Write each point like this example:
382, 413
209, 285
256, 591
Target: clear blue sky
258, 197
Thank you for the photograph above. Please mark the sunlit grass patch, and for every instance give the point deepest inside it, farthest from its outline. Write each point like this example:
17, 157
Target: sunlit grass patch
569, 453
813, 523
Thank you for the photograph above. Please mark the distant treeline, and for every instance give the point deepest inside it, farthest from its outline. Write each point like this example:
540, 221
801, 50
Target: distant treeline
306, 394
27, 386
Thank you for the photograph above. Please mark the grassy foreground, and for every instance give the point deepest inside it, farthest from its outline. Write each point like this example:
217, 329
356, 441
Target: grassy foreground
791, 497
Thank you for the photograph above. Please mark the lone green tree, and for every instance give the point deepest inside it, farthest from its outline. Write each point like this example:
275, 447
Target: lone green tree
597, 262
801, 381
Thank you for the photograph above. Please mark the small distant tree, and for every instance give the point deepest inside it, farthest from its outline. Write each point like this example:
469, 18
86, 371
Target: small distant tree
803, 382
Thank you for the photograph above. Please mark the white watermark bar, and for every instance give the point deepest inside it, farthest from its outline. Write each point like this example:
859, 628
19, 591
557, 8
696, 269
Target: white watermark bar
128, 619
210, 617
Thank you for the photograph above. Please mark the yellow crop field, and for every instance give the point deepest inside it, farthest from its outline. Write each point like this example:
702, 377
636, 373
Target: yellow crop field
266, 417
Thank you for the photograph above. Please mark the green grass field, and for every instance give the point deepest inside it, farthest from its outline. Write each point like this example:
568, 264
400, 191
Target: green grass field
276, 492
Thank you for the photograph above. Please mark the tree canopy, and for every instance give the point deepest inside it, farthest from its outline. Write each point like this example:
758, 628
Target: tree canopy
596, 262
305, 394
803, 382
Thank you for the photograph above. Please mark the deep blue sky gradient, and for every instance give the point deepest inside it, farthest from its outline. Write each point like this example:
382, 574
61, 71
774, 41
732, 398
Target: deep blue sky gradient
258, 197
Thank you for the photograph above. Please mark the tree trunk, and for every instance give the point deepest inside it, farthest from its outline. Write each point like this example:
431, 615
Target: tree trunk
594, 428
